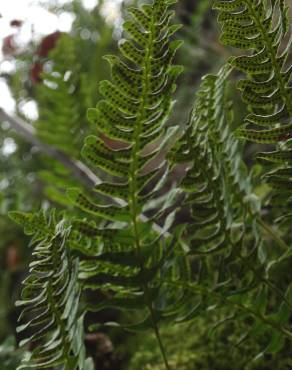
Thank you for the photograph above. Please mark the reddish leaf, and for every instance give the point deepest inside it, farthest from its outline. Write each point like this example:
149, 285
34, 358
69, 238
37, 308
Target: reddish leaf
35, 72
48, 43
16, 23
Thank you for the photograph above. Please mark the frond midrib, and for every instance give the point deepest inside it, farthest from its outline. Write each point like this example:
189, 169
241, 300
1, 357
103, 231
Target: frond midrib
134, 167
133, 191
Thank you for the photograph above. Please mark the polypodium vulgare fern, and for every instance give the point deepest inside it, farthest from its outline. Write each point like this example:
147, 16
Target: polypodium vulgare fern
50, 298
131, 248
217, 185
133, 116
262, 27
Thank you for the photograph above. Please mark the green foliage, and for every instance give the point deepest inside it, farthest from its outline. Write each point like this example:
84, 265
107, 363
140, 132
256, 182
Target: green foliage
263, 29
10, 356
225, 231
134, 111
200, 350
219, 191
219, 265
50, 298
59, 100
61, 97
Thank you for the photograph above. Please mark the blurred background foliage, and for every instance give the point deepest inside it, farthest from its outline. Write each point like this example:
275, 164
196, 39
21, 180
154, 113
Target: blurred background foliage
69, 66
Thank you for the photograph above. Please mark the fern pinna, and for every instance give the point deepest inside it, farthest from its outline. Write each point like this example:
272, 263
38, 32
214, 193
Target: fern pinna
131, 122
263, 28
50, 297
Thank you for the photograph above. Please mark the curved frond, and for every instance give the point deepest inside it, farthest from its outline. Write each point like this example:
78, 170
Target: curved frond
60, 122
218, 188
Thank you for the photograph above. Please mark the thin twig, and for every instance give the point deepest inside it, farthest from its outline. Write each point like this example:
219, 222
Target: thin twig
27, 131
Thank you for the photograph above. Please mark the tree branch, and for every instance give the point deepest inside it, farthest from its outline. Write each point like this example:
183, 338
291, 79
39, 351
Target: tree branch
78, 169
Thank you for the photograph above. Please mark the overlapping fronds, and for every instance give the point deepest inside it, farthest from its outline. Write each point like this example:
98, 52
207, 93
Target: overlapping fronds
222, 207
225, 230
50, 299
130, 246
217, 185
262, 27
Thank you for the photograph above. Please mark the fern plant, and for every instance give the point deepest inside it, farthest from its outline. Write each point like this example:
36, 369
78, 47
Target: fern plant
131, 245
218, 189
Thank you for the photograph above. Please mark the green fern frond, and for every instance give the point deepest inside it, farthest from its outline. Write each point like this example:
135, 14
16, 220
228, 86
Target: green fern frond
219, 191
61, 102
50, 299
60, 122
222, 206
262, 27
134, 112
131, 123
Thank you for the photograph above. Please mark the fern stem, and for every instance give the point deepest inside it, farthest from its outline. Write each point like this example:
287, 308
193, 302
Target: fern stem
156, 329
268, 229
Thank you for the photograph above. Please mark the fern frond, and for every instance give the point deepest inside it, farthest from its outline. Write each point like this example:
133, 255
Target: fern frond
262, 27
50, 299
137, 103
219, 196
60, 122
61, 102
218, 188
131, 122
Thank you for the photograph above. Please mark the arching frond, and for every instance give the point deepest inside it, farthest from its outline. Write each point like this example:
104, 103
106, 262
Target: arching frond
61, 122
59, 100
218, 189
